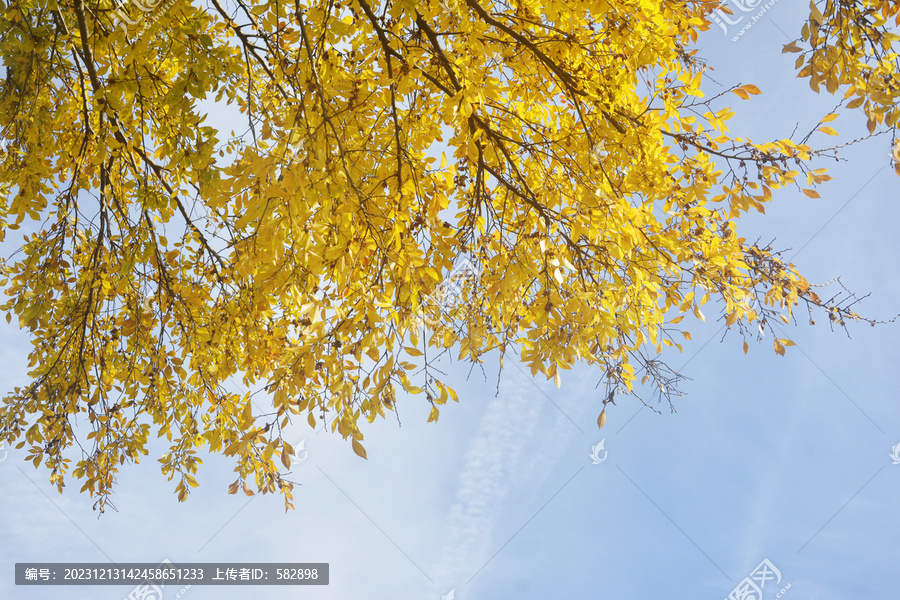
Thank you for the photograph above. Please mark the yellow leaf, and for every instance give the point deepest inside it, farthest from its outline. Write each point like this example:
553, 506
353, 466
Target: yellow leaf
778, 347
358, 448
698, 313
281, 397
601, 420
811, 193
247, 414
815, 14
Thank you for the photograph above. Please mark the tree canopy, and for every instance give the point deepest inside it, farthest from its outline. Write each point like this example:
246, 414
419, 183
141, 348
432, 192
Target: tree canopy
404, 180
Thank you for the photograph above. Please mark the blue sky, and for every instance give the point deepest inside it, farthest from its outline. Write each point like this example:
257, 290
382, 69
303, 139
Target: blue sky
768, 457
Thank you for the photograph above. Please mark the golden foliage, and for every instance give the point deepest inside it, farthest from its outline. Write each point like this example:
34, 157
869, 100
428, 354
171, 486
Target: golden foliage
591, 187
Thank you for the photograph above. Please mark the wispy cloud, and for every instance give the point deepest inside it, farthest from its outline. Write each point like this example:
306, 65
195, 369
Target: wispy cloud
510, 447
491, 468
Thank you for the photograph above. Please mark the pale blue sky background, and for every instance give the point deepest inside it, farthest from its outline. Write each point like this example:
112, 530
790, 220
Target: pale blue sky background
767, 457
